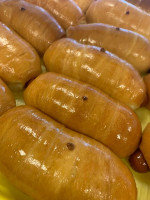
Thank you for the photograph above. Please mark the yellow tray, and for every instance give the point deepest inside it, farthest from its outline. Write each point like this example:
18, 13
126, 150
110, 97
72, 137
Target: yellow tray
9, 192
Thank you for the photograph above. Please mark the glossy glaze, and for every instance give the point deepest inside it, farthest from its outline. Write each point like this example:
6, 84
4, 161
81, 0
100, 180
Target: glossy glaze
121, 14
144, 4
7, 101
33, 23
66, 12
46, 160
138, 162
128, 45
19, 62
147, 83
145, 144
83, 4
98, 68
87, 110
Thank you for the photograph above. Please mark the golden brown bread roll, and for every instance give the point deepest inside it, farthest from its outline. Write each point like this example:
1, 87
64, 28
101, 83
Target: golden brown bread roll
145, 144
120, 14
87, 110
46, 160
7, 101
83, 4
98, 68
147, 83
128, 45
66, 12
138, 162
33, 23
144, 4
19, 62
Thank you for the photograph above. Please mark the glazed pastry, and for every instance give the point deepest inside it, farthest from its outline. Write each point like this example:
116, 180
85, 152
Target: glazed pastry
87, 110
33, 23
66, 12
144, 4
128, 45
19, 62
7, 101
144, 146
147, 83
44, 159
97, 67
120, 14
83, 4
140, 160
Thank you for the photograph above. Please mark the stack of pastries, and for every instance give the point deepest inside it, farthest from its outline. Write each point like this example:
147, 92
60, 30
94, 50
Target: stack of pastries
79, 117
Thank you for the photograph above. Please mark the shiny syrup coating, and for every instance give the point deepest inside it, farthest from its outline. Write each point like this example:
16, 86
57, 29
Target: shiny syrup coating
33, 23
138, 162
19, 62
44, 159
143, 4
144, 146
7, 101
97, 67
120, 14
83, 4
147, 83
66, 12
126, 44
87, 110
